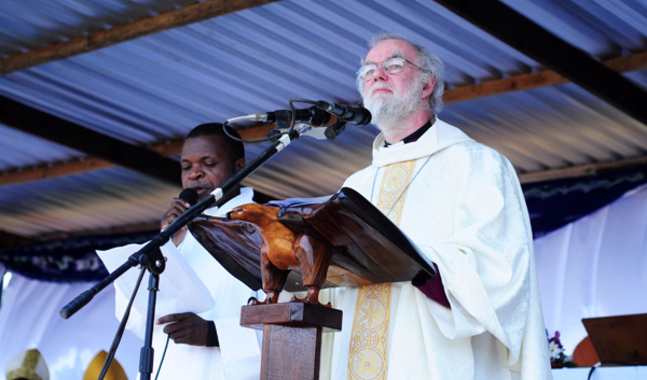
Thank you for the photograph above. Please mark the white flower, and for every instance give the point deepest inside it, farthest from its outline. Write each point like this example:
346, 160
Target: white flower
555, 350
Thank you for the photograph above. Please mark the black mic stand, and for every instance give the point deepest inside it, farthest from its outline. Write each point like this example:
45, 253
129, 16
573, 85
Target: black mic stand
150, 257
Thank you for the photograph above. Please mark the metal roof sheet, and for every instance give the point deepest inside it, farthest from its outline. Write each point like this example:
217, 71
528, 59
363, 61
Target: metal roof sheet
156, 88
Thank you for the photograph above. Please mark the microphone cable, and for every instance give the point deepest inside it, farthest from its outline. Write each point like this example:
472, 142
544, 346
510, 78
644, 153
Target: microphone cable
159, 367
121, 328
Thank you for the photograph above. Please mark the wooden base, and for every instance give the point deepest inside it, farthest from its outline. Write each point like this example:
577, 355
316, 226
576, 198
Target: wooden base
291, 337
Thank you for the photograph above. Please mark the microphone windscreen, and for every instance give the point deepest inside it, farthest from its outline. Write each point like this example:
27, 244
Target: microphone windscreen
363, 116
190, 196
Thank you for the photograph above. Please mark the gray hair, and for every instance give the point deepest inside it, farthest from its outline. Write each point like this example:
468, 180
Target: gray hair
431, 65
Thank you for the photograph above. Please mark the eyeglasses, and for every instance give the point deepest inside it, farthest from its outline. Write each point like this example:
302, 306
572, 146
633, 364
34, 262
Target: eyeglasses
393, 65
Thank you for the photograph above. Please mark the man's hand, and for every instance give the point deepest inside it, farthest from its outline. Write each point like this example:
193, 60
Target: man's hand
177, 208
186, 328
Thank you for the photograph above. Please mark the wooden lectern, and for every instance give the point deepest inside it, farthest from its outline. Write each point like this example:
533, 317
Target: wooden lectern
619, 339
344, 241
291, 337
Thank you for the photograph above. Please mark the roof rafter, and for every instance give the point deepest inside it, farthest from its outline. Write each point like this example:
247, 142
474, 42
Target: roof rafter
587, 170
537, 43
126, 32
27, 119
539, 79
85, 164
8, 240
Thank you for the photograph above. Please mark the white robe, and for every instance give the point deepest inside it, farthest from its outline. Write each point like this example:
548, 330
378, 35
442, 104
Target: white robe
238, 357
465, 211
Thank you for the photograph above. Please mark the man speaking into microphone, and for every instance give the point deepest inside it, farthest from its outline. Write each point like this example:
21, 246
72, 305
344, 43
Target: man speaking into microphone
211, 344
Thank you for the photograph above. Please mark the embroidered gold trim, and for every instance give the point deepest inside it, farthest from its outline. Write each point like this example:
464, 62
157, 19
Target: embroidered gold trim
367, 359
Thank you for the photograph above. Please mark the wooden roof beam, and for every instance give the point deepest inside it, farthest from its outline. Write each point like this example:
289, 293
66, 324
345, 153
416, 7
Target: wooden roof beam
85, 164
126, 32
30, 120
587, 170
9, 240
537, 43
539, 79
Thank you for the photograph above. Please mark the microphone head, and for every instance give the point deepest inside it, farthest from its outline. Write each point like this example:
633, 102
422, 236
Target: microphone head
363, 116
190, 196
356, 115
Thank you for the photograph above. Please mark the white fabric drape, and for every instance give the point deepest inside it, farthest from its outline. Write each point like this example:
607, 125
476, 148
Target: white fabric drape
29, 318
594, 267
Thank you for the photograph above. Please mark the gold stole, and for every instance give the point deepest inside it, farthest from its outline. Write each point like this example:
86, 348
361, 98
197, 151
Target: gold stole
369, 339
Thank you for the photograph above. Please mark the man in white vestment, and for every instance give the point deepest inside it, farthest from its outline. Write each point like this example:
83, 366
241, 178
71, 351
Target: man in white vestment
460, 202
211, 344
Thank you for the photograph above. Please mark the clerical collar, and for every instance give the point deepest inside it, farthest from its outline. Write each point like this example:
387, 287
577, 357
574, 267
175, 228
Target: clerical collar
418, 132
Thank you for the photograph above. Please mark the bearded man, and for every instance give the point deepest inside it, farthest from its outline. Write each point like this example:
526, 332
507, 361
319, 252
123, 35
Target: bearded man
461, 204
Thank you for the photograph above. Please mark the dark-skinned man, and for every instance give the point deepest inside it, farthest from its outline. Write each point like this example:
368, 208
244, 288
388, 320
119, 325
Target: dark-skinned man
210, 344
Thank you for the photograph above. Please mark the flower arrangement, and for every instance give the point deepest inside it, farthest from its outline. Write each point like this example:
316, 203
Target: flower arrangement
556, 351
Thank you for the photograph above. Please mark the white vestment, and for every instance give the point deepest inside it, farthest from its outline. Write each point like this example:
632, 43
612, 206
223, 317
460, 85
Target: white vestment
465, 211
239, 356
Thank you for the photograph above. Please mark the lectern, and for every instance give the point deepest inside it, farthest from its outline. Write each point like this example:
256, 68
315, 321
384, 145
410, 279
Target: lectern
343, 241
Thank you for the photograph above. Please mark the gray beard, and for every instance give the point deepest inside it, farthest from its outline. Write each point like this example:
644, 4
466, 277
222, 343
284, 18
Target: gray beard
387, 113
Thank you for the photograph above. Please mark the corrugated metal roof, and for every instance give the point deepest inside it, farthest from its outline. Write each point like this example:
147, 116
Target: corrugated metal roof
156, 88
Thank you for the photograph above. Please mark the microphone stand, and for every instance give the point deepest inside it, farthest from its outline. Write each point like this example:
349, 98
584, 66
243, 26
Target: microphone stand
150, 257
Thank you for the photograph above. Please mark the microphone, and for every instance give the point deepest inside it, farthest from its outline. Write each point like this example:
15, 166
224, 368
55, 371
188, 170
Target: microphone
190, 196
313, 116
322, 114
346, 114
